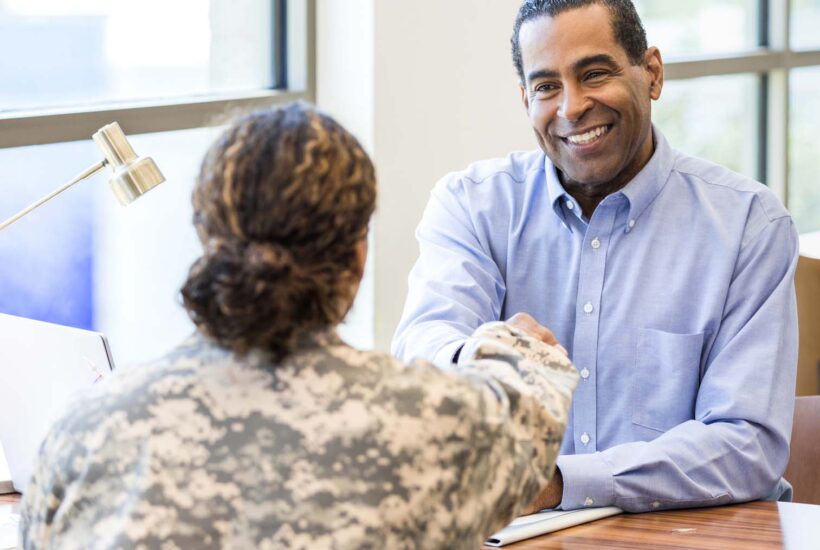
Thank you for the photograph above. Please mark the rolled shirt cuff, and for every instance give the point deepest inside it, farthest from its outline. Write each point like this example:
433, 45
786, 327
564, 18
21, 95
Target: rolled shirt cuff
588, 481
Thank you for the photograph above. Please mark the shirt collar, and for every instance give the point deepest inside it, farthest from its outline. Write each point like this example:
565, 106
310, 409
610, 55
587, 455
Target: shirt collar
640, 192
645, 187
559, 198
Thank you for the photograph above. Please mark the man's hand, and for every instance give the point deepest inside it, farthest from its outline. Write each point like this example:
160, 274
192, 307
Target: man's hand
525, 322
550, 497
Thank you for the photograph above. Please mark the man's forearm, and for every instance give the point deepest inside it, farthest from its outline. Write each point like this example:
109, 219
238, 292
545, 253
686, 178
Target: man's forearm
692, 465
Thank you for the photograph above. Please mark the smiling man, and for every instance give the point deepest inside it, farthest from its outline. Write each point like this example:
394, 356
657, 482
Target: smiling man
668, 279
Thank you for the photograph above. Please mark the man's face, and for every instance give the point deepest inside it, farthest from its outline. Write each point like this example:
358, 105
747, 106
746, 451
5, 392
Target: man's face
589, 106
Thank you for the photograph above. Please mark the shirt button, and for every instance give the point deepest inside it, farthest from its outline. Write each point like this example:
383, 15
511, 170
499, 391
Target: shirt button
585, 373
596, 244
585, 438
570, 205
588, 308
656, 504
588, 502
631, 224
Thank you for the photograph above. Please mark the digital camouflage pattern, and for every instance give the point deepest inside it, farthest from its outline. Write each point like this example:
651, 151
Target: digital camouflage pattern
334, 448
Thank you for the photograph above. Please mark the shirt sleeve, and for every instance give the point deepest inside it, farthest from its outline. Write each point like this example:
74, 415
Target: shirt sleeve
737, 446
516, 423
455, 285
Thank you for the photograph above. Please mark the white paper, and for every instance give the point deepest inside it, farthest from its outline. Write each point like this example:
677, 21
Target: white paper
5, 475
541, 523
9, 525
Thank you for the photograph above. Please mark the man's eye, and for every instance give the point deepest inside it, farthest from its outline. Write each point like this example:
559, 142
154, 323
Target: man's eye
544, 88
592, 75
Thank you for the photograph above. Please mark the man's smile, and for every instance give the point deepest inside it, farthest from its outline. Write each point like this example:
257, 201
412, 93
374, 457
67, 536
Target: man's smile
587, 137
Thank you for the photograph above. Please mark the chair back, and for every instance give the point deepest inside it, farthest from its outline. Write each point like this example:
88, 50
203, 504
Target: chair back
807, 285
803, 471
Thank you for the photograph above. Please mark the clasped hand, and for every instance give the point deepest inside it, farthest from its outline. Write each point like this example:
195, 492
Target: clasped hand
550, 496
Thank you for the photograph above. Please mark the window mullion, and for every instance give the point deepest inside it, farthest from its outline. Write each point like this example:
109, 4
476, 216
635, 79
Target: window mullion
777, 119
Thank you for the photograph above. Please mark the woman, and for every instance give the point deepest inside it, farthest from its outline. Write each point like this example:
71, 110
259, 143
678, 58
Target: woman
264, 430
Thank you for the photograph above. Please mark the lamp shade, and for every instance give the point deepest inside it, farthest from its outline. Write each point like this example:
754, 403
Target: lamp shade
133, 176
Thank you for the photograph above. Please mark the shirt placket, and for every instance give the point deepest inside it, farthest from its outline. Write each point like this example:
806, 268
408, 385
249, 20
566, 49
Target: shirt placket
588, 308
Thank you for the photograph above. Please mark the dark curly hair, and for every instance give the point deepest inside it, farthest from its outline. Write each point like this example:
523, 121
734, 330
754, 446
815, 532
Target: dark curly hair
626, 25
282, 200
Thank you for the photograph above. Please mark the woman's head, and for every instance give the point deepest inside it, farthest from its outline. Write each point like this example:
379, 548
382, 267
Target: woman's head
281, 205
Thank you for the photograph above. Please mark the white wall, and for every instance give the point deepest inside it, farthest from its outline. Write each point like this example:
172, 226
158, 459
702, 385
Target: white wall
345, 88
143, 251
428, 87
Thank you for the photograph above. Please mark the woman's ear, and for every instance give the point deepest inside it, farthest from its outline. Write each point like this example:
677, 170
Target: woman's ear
361, 257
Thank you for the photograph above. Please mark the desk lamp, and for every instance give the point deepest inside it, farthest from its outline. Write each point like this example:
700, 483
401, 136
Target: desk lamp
133, 176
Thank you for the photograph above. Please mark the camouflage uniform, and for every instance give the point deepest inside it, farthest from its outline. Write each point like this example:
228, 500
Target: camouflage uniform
333, 448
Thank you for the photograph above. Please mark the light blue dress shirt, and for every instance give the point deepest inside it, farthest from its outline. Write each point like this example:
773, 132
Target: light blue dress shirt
675, 301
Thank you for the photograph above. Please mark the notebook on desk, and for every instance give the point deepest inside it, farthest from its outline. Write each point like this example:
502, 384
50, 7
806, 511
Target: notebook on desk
42, 368
9, 527
527, 527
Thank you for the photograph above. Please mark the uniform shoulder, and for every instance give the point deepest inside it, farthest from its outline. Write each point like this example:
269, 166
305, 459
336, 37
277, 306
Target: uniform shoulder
128, 391
381, 364
418, 373
714, 178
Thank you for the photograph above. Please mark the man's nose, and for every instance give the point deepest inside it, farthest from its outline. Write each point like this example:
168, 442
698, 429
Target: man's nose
574, 103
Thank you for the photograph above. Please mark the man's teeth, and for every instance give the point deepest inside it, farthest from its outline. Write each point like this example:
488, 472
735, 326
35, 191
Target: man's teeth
589, 137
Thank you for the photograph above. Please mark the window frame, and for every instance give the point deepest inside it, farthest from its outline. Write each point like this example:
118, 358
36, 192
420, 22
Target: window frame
773, 60
294, 79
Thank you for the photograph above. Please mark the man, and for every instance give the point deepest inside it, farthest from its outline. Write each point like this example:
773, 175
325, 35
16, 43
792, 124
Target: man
668, 279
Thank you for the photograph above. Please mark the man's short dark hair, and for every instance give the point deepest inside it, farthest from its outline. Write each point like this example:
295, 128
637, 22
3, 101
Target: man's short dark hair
626, 25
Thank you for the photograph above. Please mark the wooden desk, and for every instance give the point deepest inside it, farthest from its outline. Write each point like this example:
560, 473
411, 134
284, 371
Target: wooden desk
750, 526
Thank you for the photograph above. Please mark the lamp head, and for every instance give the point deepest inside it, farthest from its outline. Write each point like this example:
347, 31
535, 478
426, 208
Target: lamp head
133, 176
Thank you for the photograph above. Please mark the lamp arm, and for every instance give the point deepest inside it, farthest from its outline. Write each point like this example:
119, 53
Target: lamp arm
78, 178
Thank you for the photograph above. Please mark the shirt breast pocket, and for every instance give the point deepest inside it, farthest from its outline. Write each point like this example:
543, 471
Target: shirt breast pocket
666, 378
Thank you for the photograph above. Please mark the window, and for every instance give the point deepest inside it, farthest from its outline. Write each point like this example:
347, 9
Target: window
748, 73
805, 20
168, 72
726, 111
698, 27
92, 52
804, 187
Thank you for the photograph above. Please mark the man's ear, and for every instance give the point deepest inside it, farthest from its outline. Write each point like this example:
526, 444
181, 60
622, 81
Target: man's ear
525, 99
654, 66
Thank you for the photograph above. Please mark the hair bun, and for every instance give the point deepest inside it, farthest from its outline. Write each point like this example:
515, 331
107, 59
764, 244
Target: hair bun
270, 258
257, 259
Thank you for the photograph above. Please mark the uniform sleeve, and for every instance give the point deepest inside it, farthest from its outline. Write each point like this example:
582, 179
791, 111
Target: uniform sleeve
44, 493
509, 432
737, 446
455, 285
